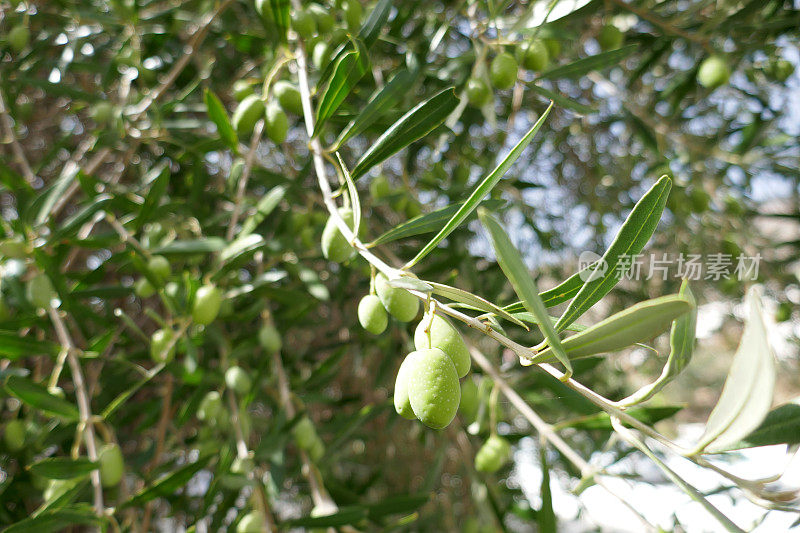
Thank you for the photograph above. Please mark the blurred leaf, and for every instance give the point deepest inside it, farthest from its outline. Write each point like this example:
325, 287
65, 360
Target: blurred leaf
747, 394
355, 202
596, 62
280, 14
62, 467
562, 101
601, 421
483, 188
190, 247
349, 69
218, 115
546, 517
57, 520
71, 226
169, 484
265, 206
414, 125
12, 346
406, 503
36, 396
343, 517
780, 426
69, 492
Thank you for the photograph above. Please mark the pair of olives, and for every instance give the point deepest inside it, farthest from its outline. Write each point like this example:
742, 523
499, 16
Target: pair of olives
373, 308
252, 108
306, 437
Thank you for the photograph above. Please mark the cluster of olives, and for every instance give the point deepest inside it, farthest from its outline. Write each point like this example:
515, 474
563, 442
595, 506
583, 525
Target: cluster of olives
252, 108
534, 55
306, 438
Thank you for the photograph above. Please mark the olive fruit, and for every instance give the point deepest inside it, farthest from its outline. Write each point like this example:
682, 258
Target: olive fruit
159, 342
320, 55
400, 303
322, 16
112, 464
713, 72
503, 71
277, 125
269, 338
288, 96
443, 335
252, 522
14, 435
610, 37
334, 245
352, 14
40, 291
402, 404
207, 301
159, 268
317, 450
304, 24
478, 92
553, 47
238, 380
372, 314
535, 55
493, 454
379, 187
700, 200
210, 408
470, 400
247, 113
102, 112
304, 433
433, 389
18, 38
242, 466
242, 89
143, 288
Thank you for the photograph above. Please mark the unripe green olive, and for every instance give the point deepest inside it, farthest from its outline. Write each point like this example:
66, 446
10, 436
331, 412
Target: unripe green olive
14, 435
18, 37
159, 267
40, 291
400, 303
238, 380
242, 466
211, 408
102, 112
372, 314
493, 454
247, 113
143, 288
277, 125
503, 71
402, 404
433, 388
321, 54
352, 14
288, 96
269, 338
700, 200
207, 301
610, 37
242, 89
112, 465
158, 346
470, 400
553, 48
478, 92
535, 55
445, 336
317, 449
304, 433
325, 21
252, 522
14, 248
379, 187
304, 24
172, 289
334, 245
713, 72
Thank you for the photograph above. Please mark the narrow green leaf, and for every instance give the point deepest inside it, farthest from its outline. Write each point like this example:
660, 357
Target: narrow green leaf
546, 516
781, 426
382, 101
596, 62
12, 346
36, 396
349, 69
158, 186
563, 292
71, 226
169, 484
483, 188
55, 192
464, 297
265, 206
629, 241
428, 222
414, 125
62, 467
280, 14
681, 342
68, 492
218, 115
747, 394
240, 246
638, 323
57, 520
404, 504
194, 246
524, 285
342, 517
120, 400
562, 101
411, 284
355, 202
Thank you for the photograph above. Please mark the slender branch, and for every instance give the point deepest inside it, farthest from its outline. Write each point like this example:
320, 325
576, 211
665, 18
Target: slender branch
19, 153
663, 24
242, 185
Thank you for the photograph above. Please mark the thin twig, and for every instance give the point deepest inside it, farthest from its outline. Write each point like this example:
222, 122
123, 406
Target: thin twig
19, 153
242, 185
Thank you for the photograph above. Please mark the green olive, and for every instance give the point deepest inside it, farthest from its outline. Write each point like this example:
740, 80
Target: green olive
478, 92
402, 404
159, 342
159, 268
372, 314
277, 125
553, 48
470, 400
102, 112
433, 389
352, 14
247, 113
445, 336
112, 465
238, 380
252, 522
535, 55
207, 301
379, 188
321, 54
211, 409
14, 435
288, 96
19, 37
242, 89
317, 449
304, 24
40, 291
503, 71
325, 21
400, 303
700, 200
269, 338
493, 454
304, 433
334, 245
143, 288
713, 72
610, 37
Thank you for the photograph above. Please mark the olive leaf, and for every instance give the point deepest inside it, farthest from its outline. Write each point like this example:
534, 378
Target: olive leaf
524, 285
265, 206
559, 294
638, 323
158, 186
57, 520
681, 342
464, 297
12, 346
167, 485
349, 69
411, 284
629, 241
747, 394
355, 202
483, 188
36, 396
562, 101
588, 64
62, 467
780, 426
280, 14
218, 115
